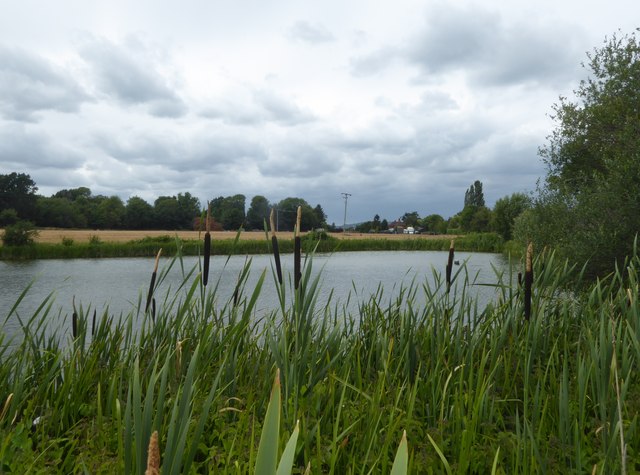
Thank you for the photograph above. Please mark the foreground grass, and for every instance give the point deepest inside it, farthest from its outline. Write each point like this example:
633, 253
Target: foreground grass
478, 390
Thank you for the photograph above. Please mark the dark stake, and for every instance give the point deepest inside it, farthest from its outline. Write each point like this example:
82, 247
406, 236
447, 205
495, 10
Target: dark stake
297, 251
153, 310
449, 266
153, 281
93, 323
528, 281
207, 249
276, 249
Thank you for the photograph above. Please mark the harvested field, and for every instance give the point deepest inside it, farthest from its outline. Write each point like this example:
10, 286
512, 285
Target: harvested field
83, 235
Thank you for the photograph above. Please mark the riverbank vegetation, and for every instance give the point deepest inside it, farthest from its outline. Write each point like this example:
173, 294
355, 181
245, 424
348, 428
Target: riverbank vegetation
322, 242
477, 389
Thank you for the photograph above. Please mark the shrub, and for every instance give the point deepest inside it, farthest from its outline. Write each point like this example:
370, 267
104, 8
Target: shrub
67, 241
22, 233
94, 240
8, 217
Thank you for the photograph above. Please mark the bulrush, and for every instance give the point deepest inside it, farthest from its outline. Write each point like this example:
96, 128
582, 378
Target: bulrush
207, 249
74, 319
449, 265
528, 281
153, 281
153, 455
297, 253
276, 249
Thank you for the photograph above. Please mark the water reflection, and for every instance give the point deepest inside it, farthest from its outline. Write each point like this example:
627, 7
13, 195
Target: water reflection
120, 284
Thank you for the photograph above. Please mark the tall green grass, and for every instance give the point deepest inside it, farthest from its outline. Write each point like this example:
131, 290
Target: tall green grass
148, 247
477, 389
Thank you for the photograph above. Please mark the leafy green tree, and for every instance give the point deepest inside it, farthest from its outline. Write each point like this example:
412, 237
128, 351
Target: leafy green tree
110, 213
18, 192
321, 217
59, 213
410, 219
74, 194
229, 211
474, 195
189, 207
138, 214
287, 212
434, 223
588, 205
506, 210
23, 233
166, 213
8, 216
258, 211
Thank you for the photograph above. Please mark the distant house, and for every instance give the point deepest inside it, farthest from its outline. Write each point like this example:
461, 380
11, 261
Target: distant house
396, 227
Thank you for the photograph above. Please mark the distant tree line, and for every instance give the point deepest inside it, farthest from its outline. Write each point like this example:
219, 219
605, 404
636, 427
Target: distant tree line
79, 208
475, 216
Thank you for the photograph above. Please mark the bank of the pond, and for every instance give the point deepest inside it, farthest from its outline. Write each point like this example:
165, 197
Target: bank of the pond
148, 247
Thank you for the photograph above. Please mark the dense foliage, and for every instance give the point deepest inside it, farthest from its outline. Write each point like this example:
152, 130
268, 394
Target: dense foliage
588, 206
20, 234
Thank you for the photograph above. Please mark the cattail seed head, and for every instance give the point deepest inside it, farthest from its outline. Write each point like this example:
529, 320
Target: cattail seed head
153, 456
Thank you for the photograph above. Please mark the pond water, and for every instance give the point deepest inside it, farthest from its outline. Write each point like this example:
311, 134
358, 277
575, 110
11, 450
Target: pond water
120, 284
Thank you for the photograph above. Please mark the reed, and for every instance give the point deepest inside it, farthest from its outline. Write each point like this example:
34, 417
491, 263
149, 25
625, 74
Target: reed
476, 389
207, 249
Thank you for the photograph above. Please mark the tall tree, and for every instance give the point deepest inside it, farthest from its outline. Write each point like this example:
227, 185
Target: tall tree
505, 212
474, 195
18, 192
588, 205
287, 210
258, 211
138, 214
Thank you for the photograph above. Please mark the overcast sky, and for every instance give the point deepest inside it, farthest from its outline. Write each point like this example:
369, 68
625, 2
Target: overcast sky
403, 104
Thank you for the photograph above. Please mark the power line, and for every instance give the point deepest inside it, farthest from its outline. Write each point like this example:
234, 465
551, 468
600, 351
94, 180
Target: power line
346, 198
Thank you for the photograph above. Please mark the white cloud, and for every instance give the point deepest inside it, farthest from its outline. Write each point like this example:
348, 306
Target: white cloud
402, 105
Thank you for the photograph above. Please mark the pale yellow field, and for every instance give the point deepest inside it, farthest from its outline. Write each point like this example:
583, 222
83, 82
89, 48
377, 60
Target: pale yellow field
83, 235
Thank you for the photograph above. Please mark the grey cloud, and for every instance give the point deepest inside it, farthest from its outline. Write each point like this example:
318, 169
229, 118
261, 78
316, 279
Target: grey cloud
280, 109
308, 33
205, 151
261, 107
492, 52
478, 42
300, 160
30, 84
375, 62
130, 76
25, 149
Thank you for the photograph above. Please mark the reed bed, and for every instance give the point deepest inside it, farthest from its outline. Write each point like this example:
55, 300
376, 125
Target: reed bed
148, 247
475, 389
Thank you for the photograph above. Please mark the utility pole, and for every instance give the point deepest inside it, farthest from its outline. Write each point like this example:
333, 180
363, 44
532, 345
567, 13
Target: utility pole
346, 198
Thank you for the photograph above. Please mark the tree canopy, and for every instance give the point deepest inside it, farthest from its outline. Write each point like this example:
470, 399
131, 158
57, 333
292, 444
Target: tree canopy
588, 205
